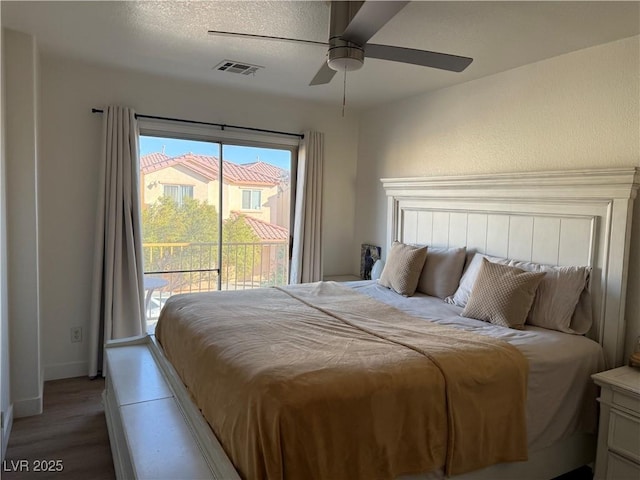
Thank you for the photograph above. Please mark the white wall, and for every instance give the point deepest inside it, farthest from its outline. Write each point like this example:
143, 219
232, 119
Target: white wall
21, 134
6, 406
578, 110
70, 143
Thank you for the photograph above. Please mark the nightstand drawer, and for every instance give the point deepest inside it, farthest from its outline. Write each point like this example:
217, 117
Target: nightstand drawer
624, 435
627, 402
621, 469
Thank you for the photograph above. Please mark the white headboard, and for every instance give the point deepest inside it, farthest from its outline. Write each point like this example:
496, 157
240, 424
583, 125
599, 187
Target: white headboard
580, 217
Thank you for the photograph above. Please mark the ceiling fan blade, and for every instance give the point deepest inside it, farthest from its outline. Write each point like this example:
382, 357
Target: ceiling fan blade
443, 61
265, 37
369, 19
324, 75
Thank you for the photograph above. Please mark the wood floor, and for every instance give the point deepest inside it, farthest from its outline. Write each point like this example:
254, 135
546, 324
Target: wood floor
72, 429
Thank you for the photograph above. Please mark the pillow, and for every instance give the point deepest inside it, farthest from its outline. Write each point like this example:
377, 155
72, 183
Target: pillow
583, 316
403, 267
502, 295
468, 279
442, 271
557, 296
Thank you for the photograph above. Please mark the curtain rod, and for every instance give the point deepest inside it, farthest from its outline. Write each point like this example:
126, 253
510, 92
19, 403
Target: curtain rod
221, 125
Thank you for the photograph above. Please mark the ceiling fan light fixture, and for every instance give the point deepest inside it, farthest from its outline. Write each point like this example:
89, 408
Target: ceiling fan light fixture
345, 59
344, 64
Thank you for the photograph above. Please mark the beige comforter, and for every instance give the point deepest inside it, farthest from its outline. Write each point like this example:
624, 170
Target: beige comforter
318, 381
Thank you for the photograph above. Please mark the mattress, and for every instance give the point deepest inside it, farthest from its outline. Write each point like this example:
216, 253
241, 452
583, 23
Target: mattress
561, 398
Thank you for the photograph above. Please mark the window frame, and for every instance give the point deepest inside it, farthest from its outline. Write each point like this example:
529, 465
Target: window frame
252, 192
206, 133
179, 198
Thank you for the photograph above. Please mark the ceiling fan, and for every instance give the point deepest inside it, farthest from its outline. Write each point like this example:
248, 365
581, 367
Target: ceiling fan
351, 26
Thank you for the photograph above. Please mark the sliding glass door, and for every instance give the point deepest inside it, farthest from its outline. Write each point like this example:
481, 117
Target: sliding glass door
256, 206
214, 216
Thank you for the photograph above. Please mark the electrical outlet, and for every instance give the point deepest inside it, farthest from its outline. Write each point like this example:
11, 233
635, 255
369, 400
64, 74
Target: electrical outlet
76, 334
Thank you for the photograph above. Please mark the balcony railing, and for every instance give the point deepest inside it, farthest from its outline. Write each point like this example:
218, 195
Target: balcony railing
172, 268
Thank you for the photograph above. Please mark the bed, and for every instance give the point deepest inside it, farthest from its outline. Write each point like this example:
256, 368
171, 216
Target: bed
553, 218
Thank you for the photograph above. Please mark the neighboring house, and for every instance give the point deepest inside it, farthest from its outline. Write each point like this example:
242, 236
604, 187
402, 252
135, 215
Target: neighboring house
280, 204
257, 190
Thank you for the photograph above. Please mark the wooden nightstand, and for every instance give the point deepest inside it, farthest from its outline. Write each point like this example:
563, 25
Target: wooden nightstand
618, 456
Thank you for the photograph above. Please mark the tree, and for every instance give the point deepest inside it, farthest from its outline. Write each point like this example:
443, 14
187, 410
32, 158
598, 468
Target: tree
185, 237
241, 247
167, 222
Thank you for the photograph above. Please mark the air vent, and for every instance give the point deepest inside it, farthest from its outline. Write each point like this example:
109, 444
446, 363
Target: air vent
237, 67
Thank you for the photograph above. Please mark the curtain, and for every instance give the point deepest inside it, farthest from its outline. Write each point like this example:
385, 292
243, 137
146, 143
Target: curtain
306, 256
117, 309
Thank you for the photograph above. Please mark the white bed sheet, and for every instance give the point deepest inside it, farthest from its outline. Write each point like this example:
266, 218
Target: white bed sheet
561, 396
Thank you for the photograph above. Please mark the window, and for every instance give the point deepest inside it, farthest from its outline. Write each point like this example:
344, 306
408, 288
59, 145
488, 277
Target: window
251, 200
178, 192
231, 235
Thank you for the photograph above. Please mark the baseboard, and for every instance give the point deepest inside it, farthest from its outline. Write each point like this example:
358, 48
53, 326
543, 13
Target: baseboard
27, 407
7, 423
58, 371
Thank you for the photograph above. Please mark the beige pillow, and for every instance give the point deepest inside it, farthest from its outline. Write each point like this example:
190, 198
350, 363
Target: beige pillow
468, 280
402, 269
502, 295
442, 271
557, 296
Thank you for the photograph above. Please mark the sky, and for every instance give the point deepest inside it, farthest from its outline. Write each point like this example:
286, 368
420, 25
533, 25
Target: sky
174, 147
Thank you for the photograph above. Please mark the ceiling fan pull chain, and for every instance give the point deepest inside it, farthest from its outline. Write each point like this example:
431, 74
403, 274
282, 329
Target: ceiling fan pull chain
344, 92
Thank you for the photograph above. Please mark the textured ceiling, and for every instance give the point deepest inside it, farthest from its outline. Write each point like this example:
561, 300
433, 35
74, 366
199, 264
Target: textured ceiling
170, 38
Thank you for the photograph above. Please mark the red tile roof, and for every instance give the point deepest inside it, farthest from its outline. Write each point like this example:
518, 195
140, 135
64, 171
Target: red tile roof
265, 230
146, 161
266, 169
240, 174
207, 166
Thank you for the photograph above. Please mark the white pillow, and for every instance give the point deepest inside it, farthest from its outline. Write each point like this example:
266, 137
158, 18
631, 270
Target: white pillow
442, 271
461, 297
557, 297
583, 315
